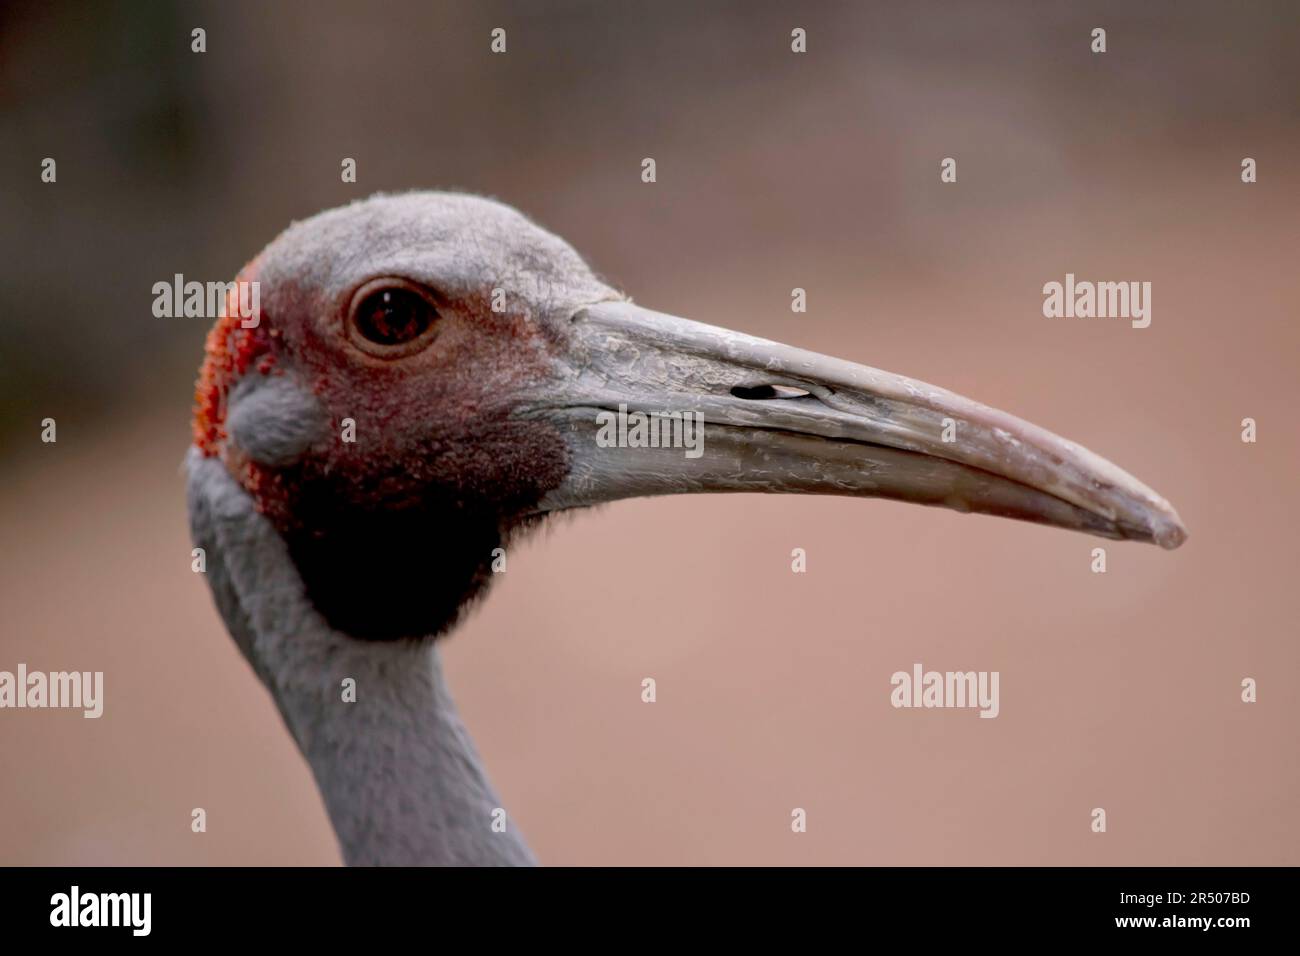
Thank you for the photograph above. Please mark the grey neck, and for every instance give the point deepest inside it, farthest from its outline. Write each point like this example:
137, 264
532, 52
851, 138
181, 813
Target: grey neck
401, 779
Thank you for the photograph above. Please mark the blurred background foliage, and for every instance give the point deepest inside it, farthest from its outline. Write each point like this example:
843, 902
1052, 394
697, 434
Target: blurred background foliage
171, 161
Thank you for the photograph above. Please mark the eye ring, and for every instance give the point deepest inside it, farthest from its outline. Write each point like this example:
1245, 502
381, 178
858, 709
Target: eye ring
391, 317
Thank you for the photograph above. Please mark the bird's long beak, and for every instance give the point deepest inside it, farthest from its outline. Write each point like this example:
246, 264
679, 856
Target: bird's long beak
652, 404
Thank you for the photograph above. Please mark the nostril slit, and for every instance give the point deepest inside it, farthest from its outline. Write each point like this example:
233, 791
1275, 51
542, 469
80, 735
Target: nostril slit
761, 392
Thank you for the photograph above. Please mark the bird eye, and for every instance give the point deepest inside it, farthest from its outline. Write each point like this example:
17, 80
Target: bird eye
388, 315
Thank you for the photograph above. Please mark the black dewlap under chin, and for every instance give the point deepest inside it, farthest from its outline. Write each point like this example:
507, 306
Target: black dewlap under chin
382, 576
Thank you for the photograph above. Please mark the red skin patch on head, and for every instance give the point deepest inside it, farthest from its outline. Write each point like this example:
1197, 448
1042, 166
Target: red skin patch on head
228, 353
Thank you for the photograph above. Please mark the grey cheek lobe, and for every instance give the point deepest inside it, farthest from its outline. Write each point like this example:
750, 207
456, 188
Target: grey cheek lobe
274, 420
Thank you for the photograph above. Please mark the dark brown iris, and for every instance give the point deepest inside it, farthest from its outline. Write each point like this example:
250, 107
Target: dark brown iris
394, 316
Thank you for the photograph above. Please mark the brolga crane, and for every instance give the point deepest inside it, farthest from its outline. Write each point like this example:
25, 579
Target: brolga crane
472, 355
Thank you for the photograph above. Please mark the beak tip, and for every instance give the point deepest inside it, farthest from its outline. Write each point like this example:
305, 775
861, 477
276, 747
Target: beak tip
1170, 532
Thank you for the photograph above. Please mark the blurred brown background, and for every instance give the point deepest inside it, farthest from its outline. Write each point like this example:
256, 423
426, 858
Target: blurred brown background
775, 170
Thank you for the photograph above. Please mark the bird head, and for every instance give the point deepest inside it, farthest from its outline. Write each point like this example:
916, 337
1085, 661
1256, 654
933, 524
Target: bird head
430, 373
